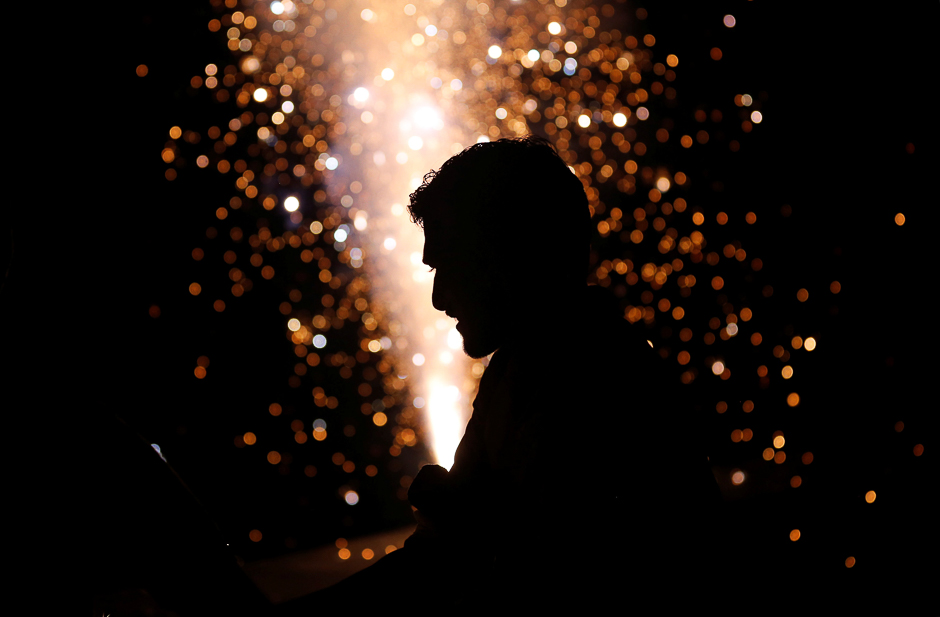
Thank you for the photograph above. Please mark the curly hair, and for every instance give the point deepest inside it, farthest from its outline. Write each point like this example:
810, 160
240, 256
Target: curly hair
520, 184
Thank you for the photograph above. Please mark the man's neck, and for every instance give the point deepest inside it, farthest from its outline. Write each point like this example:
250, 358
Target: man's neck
546, 324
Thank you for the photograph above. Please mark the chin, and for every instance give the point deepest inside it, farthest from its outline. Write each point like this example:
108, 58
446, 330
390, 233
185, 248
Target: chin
477, 344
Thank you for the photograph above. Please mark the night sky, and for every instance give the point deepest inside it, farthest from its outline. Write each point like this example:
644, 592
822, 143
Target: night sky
844, 147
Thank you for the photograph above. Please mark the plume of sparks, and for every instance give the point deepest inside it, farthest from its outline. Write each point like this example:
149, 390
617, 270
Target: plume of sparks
347, 105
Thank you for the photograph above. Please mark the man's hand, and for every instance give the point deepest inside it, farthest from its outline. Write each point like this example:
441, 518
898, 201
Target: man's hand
430, 496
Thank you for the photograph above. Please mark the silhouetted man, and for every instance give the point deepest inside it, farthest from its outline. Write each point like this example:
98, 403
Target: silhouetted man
578, 481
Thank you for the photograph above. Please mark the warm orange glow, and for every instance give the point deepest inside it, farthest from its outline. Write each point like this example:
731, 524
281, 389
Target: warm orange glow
793, 399
849, 561
250, 438
795, 535
870, 497
274, 457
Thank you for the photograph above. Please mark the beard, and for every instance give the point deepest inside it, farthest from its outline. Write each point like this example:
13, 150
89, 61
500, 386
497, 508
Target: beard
480, 337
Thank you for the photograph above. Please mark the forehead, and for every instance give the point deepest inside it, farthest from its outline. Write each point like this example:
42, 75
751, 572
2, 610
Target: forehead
445, 243
438, 245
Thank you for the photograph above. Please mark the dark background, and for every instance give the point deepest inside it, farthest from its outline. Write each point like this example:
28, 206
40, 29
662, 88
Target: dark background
843, 94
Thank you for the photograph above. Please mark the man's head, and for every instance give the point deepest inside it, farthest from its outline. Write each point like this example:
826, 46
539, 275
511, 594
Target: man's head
507, 230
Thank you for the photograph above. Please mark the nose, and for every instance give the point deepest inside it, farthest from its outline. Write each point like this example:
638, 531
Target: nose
439, 292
